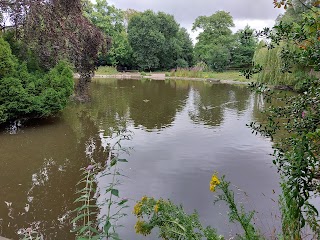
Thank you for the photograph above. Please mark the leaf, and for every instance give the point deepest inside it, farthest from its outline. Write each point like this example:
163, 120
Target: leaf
123, 202
107, 226
115, 192
122, 160
82, 215
113, 162
84, 228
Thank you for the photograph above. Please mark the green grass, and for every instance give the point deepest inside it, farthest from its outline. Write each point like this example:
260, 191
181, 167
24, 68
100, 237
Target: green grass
227, 75
106, 70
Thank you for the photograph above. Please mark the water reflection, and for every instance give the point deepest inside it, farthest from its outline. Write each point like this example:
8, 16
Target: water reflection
182, 132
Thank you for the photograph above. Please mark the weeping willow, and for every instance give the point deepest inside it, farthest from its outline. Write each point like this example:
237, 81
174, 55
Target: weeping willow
271, 62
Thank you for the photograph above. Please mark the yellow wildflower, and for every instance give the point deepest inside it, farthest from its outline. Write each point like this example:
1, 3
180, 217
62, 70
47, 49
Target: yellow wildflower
214, 182
142, 227
139, 226
144, 199
156, 208
137, 209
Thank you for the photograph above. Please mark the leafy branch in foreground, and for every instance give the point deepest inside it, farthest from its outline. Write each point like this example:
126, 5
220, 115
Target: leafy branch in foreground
88, 225
236, 215
172, 221
294, 124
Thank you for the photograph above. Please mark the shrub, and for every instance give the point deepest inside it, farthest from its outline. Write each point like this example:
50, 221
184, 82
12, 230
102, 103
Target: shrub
7, 61
181, 63
37, 94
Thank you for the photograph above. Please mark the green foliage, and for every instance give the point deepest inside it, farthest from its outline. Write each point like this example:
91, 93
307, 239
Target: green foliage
110, 21
196, 72
106, 70
218, 47
214, 42
217, 57
295, 120
295, 10
172, 221
106, 17
244, 47
236, 214
271, 71
37, 94
7, 61
186, 46
291, 225
181, 63
296, 153
157, 41
120, 53
88, 226
22, 52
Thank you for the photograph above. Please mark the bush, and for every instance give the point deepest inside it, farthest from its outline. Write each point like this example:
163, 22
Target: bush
7, 62
181, 63
37, 94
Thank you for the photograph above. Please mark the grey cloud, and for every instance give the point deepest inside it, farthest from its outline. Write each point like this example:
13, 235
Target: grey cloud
186, 12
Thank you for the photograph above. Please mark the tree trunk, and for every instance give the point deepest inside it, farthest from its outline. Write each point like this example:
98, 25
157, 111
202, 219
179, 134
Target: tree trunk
82, 89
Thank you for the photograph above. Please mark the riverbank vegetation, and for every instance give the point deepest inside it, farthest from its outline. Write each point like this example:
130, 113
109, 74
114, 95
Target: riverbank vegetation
65, 34
289, 57
36, 80
293, 59
30, 93
198, 73
149, 41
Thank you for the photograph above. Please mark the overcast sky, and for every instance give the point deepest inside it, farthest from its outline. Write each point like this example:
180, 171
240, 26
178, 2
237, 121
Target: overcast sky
256, 13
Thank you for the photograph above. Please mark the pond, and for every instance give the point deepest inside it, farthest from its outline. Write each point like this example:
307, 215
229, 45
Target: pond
182, 132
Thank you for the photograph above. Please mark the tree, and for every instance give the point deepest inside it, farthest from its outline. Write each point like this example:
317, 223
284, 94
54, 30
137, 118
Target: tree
157, 41
26, 94
243, 49
215, 32
63, 33
111, 21
186, 51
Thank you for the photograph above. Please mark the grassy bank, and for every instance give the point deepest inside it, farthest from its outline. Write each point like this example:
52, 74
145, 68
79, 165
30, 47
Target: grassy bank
185, 73
106, 70
227, 75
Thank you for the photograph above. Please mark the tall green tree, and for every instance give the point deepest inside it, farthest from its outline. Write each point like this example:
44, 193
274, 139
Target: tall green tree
145, 39
243, 48
186, 52
215, 40
158, 42
111, 21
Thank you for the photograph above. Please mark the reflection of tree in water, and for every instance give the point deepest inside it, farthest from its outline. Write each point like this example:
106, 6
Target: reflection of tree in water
239, 98
154, 104
210, 101
42, 165
47, 165
260, 116
108, 109
207, 104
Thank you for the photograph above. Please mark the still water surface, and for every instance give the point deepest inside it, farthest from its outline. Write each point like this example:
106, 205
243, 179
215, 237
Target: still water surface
182, 132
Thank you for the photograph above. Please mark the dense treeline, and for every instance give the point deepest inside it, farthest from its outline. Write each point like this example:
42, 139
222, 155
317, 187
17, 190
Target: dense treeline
87, 35
155, 41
